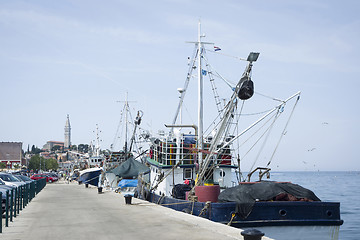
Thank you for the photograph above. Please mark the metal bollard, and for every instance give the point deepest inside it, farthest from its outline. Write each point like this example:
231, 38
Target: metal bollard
252, 234
31, 191
11, 204
128, 199
21, 198
26, 194
7, 209
1, 213
15, 203
36, 187
34, 190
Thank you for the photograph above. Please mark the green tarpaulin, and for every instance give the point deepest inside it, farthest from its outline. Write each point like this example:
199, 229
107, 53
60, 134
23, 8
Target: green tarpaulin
130, 169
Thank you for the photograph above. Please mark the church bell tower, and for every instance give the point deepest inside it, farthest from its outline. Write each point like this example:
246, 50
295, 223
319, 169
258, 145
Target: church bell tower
67, 142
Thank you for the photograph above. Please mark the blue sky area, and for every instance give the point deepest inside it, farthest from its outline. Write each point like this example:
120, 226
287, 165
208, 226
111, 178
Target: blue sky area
80, 57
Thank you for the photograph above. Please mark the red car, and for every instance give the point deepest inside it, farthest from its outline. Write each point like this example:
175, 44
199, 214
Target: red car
44, 175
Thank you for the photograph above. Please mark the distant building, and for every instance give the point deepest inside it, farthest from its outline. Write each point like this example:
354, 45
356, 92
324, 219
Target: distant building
66, 165
50, 144
48, 155
67, 142
11, 153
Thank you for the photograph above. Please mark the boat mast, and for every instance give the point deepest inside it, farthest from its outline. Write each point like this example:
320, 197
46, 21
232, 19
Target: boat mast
97, 147
200, 97
137, 122
126, 121
225, 121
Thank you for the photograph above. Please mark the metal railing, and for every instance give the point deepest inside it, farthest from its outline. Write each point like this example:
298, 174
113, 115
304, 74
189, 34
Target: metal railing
17, 199
169, 153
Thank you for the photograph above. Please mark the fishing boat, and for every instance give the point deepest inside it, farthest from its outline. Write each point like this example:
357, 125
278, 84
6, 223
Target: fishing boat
96, 158
113, 160
90, 175
199, 171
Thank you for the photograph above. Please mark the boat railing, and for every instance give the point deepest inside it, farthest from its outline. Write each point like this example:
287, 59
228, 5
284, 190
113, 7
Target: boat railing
262, 171
170, 153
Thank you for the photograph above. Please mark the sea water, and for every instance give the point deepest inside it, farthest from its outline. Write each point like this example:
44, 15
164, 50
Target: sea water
343, 187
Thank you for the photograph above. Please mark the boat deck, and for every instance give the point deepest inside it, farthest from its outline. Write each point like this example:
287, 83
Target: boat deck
71, 211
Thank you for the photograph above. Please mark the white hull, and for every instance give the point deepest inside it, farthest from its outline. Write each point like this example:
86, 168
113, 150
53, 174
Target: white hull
110, 181
223, 176
301, 232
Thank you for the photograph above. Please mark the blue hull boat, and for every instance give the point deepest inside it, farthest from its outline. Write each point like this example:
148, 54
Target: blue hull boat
263, 213
199, 170
90, 176
278, 220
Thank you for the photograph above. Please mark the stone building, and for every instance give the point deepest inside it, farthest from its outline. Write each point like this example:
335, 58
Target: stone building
50, 144
11, 153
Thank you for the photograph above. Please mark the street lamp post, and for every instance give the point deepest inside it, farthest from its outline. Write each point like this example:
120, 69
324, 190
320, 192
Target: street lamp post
8, 164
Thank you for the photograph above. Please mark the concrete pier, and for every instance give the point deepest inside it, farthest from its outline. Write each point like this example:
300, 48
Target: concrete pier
70, 211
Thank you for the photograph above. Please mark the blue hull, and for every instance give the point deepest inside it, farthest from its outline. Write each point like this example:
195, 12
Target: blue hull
263, 214
91, 177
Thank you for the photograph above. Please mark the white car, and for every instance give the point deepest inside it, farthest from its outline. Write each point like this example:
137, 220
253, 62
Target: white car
10, 180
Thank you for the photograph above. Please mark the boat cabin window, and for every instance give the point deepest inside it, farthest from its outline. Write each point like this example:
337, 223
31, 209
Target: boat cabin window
187, 173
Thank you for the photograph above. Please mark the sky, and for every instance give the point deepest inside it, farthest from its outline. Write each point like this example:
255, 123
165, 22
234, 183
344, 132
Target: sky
81, 57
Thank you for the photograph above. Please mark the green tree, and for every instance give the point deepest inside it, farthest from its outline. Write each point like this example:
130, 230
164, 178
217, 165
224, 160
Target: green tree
2, 165
46, 164
35, 150
51, 164
56, 148
83, 148
34, 162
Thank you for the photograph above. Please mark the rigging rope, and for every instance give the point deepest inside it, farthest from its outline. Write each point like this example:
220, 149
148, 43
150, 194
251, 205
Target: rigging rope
239, 175
268, 131
231, 85
273, 116
272, 98
226, 55
188, 77
283, 132
232, 218
117, 130
252, 135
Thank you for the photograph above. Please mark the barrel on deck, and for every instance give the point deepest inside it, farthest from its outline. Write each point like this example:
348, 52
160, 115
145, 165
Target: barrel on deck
207, 193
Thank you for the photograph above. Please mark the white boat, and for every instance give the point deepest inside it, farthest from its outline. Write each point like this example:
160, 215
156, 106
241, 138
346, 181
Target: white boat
90, 174
191, 172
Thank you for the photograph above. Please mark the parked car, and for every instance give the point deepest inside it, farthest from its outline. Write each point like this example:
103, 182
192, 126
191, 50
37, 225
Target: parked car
49, 179
53, 174
10, 180
24, 178
3, 189
4, 186
3, 200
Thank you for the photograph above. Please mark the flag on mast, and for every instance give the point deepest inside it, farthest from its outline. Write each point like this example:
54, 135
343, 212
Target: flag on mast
216, 48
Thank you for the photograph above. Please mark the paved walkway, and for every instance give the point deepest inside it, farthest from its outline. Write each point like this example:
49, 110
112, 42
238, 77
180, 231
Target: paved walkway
70, 211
